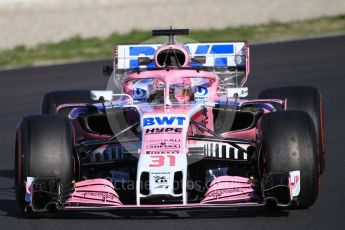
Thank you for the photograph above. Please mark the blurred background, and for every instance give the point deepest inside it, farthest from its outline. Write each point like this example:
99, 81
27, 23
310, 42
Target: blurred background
26, 24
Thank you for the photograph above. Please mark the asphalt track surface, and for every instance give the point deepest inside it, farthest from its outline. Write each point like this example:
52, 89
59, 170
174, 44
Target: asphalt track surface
316, 62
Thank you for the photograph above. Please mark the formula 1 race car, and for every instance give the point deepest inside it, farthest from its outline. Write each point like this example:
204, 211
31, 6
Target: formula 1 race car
172, 132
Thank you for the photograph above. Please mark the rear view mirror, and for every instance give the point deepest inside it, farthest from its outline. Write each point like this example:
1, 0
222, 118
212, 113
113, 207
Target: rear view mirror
101, 95
236, 92
199, 59
107, 70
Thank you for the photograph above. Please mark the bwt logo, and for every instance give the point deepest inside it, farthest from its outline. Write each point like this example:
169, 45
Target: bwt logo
139, 93
199, 49
149, 121
201, 91
224, 50
201, 94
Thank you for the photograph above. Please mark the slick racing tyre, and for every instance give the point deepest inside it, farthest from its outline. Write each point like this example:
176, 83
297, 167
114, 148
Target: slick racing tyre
289, 144
52, 100
44, 148
307, 99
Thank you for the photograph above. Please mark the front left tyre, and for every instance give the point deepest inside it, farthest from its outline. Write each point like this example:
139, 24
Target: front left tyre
44, 148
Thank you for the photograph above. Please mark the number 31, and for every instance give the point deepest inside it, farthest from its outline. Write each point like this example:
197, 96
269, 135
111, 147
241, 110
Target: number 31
159, 161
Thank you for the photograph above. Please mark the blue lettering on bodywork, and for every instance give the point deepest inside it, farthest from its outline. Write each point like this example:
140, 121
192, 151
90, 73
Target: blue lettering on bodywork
201, 91
201, 49
148, 121
138, 50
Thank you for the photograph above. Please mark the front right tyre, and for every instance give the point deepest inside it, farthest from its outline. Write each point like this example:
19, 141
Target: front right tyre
303, 98
289, 144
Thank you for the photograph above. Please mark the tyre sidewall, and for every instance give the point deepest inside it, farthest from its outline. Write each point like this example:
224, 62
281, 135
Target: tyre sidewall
290, 145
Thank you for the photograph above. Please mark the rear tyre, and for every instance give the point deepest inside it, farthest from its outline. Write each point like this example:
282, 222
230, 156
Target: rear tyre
52, 100
289, 144
44, 148
306, 99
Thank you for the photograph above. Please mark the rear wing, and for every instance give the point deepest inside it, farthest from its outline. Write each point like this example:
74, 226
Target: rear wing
229, 60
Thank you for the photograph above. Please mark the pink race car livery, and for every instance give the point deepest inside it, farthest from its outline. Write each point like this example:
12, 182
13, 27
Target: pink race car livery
172, 131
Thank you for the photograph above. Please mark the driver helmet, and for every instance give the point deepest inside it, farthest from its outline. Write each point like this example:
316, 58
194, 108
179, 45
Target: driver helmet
182, 91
